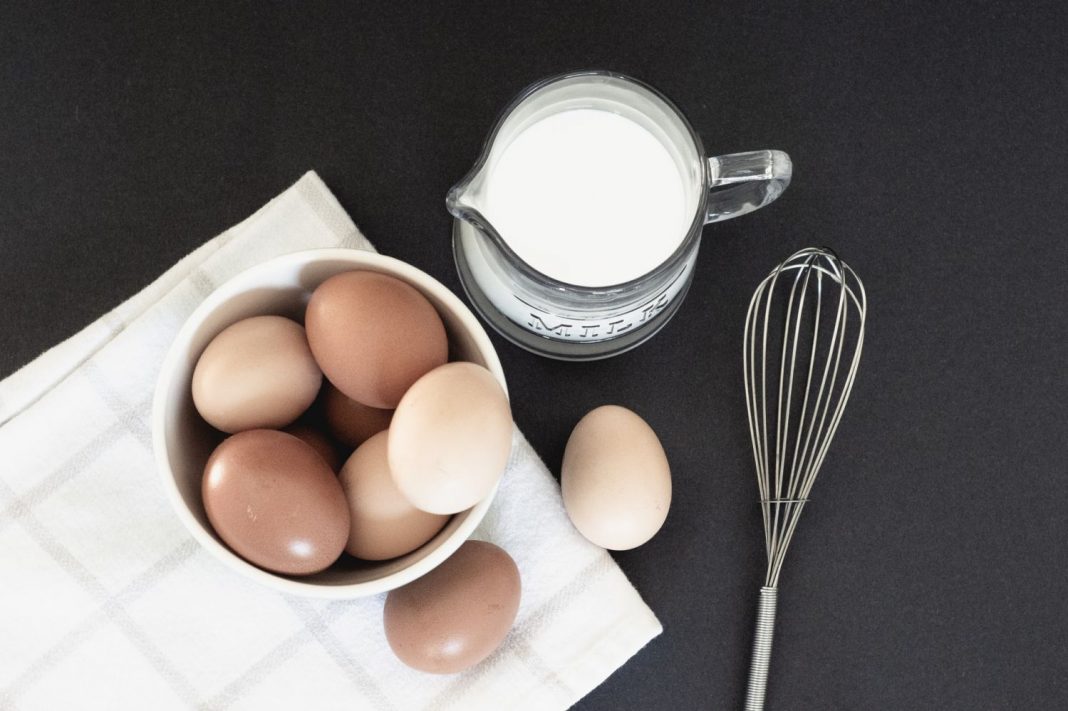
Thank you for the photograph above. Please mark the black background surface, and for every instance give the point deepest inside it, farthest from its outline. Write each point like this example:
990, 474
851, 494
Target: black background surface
929, 145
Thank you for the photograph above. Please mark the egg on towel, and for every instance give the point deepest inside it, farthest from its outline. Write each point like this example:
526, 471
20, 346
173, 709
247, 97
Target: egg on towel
457, 614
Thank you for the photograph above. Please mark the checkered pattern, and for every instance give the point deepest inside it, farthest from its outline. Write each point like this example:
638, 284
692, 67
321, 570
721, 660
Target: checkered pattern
106, 602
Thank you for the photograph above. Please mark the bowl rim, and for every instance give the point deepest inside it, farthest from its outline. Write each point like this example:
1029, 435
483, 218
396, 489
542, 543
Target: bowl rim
176, 354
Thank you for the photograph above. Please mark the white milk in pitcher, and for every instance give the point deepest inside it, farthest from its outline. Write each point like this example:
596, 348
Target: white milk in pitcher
588, 197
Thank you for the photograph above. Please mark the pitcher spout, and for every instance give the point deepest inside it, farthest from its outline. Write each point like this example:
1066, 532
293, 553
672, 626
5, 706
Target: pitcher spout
466, 194
466, 200
455, 199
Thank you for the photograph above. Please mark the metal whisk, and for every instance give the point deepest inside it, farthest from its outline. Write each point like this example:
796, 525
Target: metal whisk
803, 336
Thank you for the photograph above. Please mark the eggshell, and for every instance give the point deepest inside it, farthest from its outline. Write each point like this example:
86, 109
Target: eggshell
318, 441
275, 502
450, 438
374, 335
384, 524
457, 614
615, 479
352, 423
258, 372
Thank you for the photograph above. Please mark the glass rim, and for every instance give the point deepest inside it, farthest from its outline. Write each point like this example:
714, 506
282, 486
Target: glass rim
475, 217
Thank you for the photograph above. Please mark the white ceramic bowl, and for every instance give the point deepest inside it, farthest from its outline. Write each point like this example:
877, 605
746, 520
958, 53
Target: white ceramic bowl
183, 441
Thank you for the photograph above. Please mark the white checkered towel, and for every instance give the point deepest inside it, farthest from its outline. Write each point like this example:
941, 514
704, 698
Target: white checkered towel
107, 603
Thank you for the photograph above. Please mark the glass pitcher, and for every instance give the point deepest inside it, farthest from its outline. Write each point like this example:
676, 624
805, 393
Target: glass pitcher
568, 321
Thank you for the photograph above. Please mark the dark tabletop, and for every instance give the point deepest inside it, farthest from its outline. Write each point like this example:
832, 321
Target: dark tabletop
929, 143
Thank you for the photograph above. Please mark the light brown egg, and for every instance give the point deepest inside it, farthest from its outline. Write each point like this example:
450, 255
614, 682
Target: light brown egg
457, 614
450, 438
275, 502
350, 422
314, 438
615, 479
258, 372
374, 335
384, 524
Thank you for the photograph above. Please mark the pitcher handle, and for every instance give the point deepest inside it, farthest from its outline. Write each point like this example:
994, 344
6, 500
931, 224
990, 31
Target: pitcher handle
756, 178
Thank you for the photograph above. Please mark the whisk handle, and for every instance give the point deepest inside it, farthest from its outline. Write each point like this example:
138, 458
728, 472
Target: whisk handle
765, 631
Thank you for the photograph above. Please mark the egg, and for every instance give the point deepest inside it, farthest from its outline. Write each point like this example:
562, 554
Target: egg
457, 614
384, 524
352, 423
374, 335
318, 441
450, 438
275, 502
258, 372
615, 479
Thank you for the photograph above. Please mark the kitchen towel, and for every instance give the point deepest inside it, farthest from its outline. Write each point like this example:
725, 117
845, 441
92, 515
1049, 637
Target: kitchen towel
106, 602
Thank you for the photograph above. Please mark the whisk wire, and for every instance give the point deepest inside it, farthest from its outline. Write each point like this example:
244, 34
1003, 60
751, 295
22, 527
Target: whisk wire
748, 368
780, 421
813, 320
783, 421
799, 454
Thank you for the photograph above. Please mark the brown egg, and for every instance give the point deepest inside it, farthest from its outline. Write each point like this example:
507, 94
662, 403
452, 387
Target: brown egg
350, 422
273, 500
373, 336
258, 372
318, 441
384, 524
450, 438
457, 614
615, 479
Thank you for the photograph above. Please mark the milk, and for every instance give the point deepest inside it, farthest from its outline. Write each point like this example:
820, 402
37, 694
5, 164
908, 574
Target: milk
588, 197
